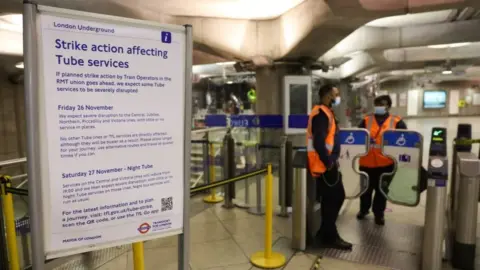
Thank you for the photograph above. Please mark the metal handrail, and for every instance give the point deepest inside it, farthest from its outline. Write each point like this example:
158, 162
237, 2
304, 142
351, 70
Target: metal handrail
12, 162
208, 130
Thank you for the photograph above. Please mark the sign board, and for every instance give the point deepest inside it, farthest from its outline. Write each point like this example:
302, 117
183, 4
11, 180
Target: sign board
113, 102
405, 148
354, 144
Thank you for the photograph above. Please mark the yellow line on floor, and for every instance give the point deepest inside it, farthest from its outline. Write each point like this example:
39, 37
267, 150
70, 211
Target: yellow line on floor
316, 263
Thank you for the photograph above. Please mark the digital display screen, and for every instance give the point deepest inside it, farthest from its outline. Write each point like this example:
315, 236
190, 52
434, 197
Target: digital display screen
438, 143
434, 99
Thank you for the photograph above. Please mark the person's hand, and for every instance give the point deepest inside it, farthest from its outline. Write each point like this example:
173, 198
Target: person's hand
330, 165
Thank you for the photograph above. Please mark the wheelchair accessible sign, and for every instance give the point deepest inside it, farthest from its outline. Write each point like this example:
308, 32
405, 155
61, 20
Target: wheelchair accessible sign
354, 144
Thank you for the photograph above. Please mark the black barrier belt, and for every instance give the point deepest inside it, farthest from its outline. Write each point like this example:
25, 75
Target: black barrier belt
466, 141
268, 146
200, 141
228, 181
17, 191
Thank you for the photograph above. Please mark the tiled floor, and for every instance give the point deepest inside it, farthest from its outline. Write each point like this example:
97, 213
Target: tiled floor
224, 239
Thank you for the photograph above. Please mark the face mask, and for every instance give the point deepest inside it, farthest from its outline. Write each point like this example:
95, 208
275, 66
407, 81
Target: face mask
336, 101
380, 110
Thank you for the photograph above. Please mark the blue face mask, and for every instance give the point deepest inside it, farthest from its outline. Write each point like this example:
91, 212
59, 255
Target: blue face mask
380, 110
336, 102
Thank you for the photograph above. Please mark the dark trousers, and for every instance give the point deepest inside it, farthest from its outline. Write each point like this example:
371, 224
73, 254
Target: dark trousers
379, 201
331, 199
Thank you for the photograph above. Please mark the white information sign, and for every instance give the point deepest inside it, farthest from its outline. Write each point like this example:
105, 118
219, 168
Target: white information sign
402, 100
393, 96
112, 131
476, 99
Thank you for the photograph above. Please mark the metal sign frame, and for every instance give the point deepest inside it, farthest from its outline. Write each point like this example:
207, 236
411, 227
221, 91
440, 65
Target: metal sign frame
287, 81
357, 157
395, 166
36, 147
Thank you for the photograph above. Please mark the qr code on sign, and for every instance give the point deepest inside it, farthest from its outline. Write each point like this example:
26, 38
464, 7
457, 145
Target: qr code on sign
167, 204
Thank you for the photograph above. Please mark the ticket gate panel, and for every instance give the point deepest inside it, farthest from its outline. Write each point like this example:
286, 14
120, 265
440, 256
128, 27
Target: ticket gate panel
306, 217
406, 149
354, 144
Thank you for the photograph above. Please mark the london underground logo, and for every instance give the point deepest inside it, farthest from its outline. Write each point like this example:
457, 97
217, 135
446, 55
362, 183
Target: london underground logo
144, 228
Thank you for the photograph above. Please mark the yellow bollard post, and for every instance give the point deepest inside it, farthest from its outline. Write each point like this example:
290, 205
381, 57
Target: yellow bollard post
9, 214
138, 256
268, 259
212, 198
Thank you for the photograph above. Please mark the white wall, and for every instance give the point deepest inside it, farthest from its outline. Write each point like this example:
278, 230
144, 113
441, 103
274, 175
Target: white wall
465, 88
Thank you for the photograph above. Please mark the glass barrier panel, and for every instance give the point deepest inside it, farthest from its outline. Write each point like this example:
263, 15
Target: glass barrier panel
405, 148
354, 144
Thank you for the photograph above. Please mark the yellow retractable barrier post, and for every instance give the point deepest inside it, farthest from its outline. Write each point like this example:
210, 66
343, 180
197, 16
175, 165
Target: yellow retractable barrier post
212, 198
268, 259
138, 256
9, 214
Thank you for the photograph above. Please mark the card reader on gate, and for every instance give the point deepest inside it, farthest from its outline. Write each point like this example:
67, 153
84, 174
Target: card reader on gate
437, 158
432, 251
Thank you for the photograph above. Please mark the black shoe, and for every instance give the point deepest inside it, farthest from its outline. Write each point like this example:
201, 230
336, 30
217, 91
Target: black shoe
380, 221
361, 215
339, 243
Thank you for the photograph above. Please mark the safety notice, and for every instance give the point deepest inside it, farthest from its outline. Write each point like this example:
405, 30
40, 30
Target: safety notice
113, 98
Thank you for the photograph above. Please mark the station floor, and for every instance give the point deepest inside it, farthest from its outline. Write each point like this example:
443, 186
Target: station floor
224, 239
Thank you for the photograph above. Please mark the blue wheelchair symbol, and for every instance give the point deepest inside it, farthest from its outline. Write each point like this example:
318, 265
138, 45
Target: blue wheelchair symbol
401, 141
350, 139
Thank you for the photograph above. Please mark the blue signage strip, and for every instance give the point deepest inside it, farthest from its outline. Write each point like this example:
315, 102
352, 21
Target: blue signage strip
440, 182
271, 121
244, 120
298, 121
256, 121
353, 137
216, 120
399, 138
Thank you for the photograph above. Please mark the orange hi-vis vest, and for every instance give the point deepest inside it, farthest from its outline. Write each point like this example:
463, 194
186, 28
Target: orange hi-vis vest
315, 164
375, 158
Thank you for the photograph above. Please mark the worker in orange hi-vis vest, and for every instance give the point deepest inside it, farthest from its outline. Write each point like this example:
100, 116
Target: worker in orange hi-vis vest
374, 163
323, 149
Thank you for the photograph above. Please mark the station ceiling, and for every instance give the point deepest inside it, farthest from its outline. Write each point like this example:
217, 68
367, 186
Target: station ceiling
375, 35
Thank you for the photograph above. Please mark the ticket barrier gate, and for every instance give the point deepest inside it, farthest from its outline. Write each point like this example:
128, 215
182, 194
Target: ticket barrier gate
463, 204
306, 216
464, 218
306, 209
404, 187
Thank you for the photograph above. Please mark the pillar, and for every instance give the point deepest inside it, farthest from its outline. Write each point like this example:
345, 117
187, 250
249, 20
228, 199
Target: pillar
270, 101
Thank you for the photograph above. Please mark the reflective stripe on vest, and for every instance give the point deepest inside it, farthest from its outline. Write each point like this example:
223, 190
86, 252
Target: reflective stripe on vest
315, 164
375, 158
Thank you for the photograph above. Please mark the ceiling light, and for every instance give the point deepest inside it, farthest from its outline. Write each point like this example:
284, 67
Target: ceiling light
447, 72
354, 53
229, 82
451, 45
11, 22
19, 65
225, 63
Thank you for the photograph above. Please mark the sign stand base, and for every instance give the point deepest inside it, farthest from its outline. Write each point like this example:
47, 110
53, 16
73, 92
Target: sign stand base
276, 260
213, 199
